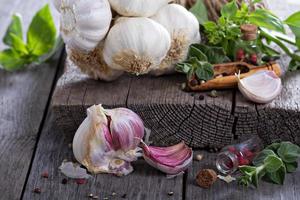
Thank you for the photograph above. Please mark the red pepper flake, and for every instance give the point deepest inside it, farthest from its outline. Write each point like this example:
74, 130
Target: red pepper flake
80, 181
45, 174
124, 196
64, 181
37, 190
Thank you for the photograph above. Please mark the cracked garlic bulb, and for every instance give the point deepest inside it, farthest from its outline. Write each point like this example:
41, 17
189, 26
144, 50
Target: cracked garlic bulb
183, 27
107, 140
93, 64
136, 45
83, 23
137, 8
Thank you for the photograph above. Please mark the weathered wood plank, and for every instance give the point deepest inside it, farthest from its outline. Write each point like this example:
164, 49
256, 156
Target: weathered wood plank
24, 95
144, 183
233, 191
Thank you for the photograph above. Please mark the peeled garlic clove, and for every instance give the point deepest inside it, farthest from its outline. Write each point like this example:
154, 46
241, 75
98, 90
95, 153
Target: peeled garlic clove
170, 160
84, 23
183, 27
126, 128
261, 87
93, 64
137, 8
136, 45
73, 170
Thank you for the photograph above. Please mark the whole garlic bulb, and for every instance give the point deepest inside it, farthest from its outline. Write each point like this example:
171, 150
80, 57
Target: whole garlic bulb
107, 140
136, 45
93, 64
137, 8
183, 27
84, 23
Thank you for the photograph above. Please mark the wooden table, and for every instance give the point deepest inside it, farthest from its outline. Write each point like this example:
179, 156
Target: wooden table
30, 143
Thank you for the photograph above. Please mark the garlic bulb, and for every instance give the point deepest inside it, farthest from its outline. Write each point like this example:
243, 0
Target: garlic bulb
137, 8
170, 160
261, 87
136, 45
93, 64
183, 27
103, 146
84, 23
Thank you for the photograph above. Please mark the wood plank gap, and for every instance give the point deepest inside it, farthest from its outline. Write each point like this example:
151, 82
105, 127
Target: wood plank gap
45, 114
184, 183
128, 92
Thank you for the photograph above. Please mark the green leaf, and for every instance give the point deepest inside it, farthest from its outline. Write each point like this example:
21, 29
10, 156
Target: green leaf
291, 167
17, 44
200, 11
11, 60
294, 19
260, 158
277, 176
274, 146
215, 55
266, 19
294, 65
204, 71
229, 10
15, 28
256, 1
197, 53
272, 163
41, 34
183, 67
289, 152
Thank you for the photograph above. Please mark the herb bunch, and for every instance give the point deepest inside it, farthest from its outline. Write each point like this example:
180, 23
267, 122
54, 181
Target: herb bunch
40, 45
271, 164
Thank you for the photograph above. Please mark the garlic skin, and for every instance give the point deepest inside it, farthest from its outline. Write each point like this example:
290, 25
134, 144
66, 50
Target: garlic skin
171, 160
184, 29
261, 87
94, 144
137, 8
136, 45
93, 64
83, 23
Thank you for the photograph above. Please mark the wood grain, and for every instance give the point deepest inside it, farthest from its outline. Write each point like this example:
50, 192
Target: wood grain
224, 191
144, 183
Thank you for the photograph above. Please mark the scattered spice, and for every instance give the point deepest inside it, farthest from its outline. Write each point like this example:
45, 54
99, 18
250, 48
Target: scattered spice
105, 198
80, 181
37, 190
114, 194
124, 196
206, 178
64, 181
202, 82
70, 145
227, 179
90, 195
213, 94
201, 97
45, 175
170, 193
95, 197
199, 157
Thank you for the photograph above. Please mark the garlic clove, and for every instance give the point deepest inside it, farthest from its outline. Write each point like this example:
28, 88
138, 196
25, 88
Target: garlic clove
73, 170
261, 87
136, 45
183, 28
93, 64
84, 23
137, 8
170, 160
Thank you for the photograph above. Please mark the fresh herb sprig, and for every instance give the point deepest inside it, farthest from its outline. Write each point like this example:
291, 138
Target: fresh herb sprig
41, 41
271, 164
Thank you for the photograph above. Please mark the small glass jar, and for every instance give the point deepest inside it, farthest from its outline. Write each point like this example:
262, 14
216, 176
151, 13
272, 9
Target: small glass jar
233, 156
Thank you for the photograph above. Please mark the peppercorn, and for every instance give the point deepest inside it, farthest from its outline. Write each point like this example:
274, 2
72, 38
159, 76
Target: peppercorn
124, 196
201, 97
64, 181
194, 82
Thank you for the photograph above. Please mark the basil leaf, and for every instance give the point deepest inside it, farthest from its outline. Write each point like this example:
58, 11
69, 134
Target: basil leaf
215, 55
272, 163
294, 19
197, 53
18, 44
291, 167
41, 34
15, 28
183, 67
277, 176
200, 11
274, 146
11, 60
266, 19
259, 159
229, 10
289, 152
204, 71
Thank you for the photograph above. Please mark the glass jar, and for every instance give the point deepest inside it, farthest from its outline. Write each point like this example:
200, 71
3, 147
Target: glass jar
246, 49
233, 156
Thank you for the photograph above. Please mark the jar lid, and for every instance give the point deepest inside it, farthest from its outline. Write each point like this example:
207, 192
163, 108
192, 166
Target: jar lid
249, 32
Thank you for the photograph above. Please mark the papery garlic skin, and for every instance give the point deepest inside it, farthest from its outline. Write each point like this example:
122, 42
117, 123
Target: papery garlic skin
137, 8
261, 87
93, 64
83, 23
136, 45
94, 142
184, 29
